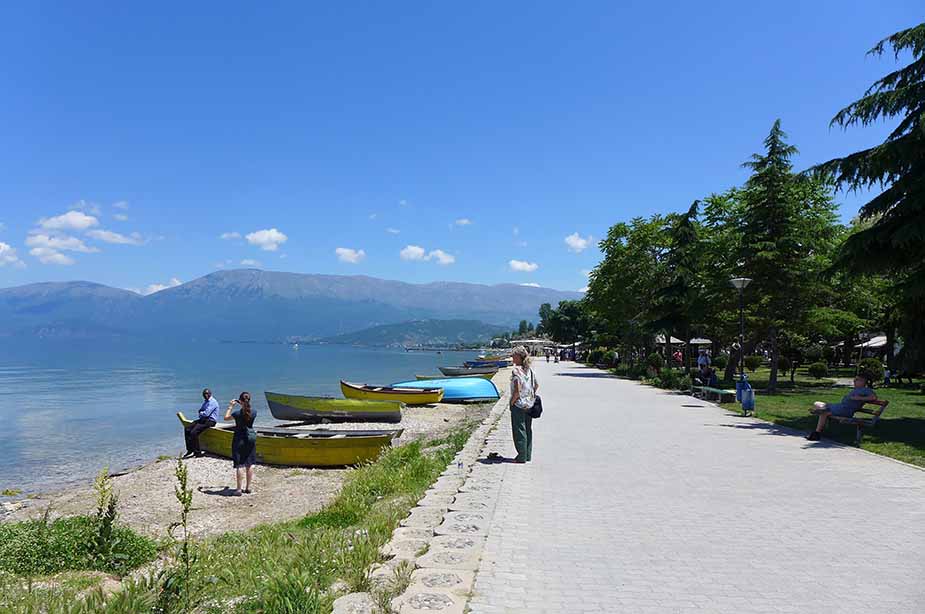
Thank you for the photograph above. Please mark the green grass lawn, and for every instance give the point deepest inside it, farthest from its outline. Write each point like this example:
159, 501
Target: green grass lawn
900, 434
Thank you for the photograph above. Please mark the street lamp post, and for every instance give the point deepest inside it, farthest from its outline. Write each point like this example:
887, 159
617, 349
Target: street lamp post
739, 283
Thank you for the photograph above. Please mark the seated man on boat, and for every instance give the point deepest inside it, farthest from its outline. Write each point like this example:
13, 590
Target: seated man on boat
208, 416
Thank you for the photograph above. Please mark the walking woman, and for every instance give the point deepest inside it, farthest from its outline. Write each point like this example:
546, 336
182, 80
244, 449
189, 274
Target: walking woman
244, 442
523, 395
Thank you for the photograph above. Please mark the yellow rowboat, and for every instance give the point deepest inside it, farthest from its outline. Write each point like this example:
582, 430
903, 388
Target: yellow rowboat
427, 377
408, 396
302, 448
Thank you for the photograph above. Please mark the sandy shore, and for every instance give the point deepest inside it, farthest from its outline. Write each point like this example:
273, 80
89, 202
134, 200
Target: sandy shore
148, 505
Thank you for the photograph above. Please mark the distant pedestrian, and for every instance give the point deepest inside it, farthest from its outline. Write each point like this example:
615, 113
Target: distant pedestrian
244, 441
208, 416
523, 396
703, 359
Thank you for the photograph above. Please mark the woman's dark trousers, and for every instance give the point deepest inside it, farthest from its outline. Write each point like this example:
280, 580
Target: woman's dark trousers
522, 429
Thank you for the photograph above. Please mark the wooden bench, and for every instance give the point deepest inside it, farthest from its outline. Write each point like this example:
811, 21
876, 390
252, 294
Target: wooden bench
719, 393
862, 423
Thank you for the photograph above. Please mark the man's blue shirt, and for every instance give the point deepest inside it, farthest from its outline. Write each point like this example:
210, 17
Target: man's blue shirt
209, 409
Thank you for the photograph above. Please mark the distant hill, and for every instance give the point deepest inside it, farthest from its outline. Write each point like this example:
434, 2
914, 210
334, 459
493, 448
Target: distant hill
422, 332
250, 304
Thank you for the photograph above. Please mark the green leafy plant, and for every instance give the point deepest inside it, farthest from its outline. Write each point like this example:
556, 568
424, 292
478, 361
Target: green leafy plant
720, 361
872, 369
655, 361
783, 363
818, 370
752, 363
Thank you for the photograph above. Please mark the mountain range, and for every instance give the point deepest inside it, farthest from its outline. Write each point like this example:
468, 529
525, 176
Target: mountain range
422, 332
255, 305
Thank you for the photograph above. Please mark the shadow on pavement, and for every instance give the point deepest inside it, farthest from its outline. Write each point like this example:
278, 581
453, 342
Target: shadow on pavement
589, 375
225, 491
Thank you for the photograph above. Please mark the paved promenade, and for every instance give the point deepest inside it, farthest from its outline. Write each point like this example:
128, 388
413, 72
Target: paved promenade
641, 501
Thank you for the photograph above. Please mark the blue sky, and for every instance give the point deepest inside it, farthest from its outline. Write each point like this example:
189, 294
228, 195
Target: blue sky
445, 141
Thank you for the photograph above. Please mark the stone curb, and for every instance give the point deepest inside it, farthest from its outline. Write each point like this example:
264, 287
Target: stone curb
447, 527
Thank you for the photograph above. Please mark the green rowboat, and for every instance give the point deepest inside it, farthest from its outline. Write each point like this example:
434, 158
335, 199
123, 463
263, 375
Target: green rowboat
328, 409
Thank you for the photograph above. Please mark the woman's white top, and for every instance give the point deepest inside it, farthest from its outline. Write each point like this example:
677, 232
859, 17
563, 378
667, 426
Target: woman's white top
526, 387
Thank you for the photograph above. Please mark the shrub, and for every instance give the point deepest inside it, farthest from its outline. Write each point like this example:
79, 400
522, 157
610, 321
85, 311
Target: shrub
720, 361
685, 383
752, 363
609, 356
669, 379
783, 363
871, 368
818, 370
638, 371
656, 361
595, 357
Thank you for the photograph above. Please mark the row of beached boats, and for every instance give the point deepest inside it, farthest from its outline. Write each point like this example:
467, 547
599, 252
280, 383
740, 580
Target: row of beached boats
323, 447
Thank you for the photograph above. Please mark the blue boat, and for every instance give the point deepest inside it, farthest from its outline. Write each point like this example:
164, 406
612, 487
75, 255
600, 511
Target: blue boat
458, 389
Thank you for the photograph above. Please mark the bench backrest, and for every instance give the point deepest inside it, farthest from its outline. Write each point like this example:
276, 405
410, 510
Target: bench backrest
879, 412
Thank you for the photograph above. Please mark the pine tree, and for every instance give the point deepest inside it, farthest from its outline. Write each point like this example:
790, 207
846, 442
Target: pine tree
894, 242
787, 220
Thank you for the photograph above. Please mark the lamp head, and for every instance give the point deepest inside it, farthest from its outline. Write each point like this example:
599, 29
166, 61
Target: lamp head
739, 283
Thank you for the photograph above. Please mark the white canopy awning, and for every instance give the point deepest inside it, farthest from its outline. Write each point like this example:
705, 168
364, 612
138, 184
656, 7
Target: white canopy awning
875, 342
660, 339
699, 341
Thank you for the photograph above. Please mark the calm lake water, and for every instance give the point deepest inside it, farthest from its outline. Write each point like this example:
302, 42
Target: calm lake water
69, 409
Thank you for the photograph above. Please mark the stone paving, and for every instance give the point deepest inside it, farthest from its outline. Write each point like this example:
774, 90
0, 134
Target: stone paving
638, 500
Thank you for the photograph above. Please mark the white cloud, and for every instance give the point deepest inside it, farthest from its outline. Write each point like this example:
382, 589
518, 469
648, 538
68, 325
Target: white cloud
91, 208
46, 255
403, 203
463, 221
441, 257
392, 231
413, 252
585, 289
250, 262
350, 255
230, 235
72, 220
531, 284
58, 243
120, 217
8, 256
576, 243
222, 264
522, 266
108, 236
373, 216
120, 205
416, 252
152, 288
268, 240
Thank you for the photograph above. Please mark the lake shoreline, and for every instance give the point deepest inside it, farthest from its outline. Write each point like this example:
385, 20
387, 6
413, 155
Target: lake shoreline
146, 497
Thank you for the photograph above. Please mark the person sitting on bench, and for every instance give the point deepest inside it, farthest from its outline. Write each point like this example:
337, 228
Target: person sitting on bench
852, 402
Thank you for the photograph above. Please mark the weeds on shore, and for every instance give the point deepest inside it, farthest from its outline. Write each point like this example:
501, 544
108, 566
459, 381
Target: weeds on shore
44, 546
284, 567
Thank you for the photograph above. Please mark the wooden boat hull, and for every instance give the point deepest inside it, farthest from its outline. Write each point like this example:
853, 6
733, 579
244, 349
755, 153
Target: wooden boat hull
323, 448
408, 396
459, 389
450, 371
430, 377
326, 409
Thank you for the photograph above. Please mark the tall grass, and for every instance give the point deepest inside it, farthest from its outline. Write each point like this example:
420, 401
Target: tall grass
281, 567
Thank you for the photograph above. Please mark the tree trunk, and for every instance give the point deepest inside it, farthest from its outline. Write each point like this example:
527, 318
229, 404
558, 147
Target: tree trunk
772, 380
890, 343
